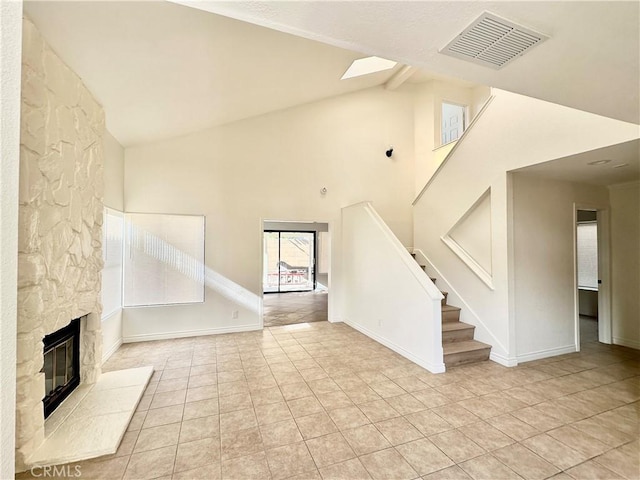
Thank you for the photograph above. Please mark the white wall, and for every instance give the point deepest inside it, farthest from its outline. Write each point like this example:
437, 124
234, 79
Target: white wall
10, 60
625, 264
428, 121
113, 198
513, 132
544, 263
264, 168
387, 295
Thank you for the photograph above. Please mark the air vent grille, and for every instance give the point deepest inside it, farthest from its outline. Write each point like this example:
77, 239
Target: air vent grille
493, 41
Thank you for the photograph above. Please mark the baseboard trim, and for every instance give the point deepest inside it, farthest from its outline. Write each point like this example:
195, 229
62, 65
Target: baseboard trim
625, 342
502, 360
551, 352
106, 355
437, 368
146, 337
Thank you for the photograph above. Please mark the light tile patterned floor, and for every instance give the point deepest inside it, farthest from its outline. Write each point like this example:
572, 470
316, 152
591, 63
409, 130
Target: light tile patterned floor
322, 401
295, 307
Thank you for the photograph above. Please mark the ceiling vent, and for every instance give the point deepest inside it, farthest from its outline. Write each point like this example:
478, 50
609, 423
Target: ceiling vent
493, 41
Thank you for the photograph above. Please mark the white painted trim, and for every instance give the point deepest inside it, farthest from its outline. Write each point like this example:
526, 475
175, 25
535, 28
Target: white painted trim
455, 147
635, 344
469, 261
551, 352
189, 333
465, 305
114, 348
502, 360
438, 368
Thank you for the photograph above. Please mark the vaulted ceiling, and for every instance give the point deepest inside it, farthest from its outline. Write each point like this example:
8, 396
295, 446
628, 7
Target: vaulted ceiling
164, 69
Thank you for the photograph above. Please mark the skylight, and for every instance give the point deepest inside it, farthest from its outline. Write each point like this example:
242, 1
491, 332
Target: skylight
367, 65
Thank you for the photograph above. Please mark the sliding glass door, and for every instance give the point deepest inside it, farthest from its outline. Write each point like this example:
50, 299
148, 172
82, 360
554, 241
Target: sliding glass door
289, 261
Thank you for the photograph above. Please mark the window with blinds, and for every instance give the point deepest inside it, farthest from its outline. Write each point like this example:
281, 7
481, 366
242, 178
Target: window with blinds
587, 245
164, 259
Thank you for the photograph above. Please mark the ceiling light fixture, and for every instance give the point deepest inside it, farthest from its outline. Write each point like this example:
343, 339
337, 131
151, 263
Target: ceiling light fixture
367, 65
621, 165
599, 162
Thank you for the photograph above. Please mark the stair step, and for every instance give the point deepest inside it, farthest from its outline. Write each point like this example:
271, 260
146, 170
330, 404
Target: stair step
470, 351
450, 314
457, 332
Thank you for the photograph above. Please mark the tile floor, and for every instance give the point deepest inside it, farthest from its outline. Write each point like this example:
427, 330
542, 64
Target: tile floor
295, 307
321, 401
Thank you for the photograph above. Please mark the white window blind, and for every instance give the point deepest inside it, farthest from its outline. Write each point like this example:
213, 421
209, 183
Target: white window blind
164, 259
587, 240
112, 243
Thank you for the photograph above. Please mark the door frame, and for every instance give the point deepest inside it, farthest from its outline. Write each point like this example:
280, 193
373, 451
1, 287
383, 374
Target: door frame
315, 256
604, 271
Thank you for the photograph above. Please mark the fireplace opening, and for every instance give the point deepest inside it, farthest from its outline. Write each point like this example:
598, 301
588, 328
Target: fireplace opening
61, 365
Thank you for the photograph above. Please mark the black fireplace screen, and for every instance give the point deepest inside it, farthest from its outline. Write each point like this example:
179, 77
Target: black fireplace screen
61, 365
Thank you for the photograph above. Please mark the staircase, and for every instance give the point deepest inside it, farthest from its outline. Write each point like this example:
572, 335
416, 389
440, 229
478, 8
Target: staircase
458, 345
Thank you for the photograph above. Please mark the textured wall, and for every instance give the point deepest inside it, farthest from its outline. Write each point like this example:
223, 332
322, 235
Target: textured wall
60, 225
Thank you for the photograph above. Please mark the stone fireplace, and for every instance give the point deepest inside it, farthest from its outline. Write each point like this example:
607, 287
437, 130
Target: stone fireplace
60, 229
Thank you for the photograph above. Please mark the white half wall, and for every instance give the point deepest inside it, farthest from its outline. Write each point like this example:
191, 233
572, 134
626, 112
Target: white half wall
625, 264
271, 167
544, 271
387, 295
10, 61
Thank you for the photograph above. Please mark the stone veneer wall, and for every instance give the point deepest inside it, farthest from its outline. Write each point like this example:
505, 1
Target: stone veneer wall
60, 230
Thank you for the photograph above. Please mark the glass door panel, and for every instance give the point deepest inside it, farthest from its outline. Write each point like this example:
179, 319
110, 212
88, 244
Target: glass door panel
296, 261
289, 261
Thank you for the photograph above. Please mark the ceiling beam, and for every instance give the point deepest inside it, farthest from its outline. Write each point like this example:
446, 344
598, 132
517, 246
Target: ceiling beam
401, 76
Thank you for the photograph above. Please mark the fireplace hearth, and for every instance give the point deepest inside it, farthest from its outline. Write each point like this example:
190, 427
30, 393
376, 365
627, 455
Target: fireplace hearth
61, 365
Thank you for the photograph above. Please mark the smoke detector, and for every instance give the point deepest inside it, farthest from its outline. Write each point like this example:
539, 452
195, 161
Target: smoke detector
493, 41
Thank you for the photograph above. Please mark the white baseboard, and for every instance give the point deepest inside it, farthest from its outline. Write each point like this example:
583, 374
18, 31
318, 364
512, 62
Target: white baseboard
106, 355
625, 342
437, 368
146, 337
502, 360
551, 352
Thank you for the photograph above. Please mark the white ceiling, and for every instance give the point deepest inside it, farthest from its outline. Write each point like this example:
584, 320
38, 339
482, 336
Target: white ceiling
591, 61
162, 69
576, 168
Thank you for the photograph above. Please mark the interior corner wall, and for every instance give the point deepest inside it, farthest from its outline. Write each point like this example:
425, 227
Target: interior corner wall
271, 167
625, 264
113, 198
113, 173
544, 272
10, 60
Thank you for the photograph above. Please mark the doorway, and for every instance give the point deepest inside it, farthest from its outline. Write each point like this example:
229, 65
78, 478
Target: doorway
295, 272
592, 276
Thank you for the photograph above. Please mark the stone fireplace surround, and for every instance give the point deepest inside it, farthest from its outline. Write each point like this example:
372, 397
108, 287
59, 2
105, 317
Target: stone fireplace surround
60, 226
